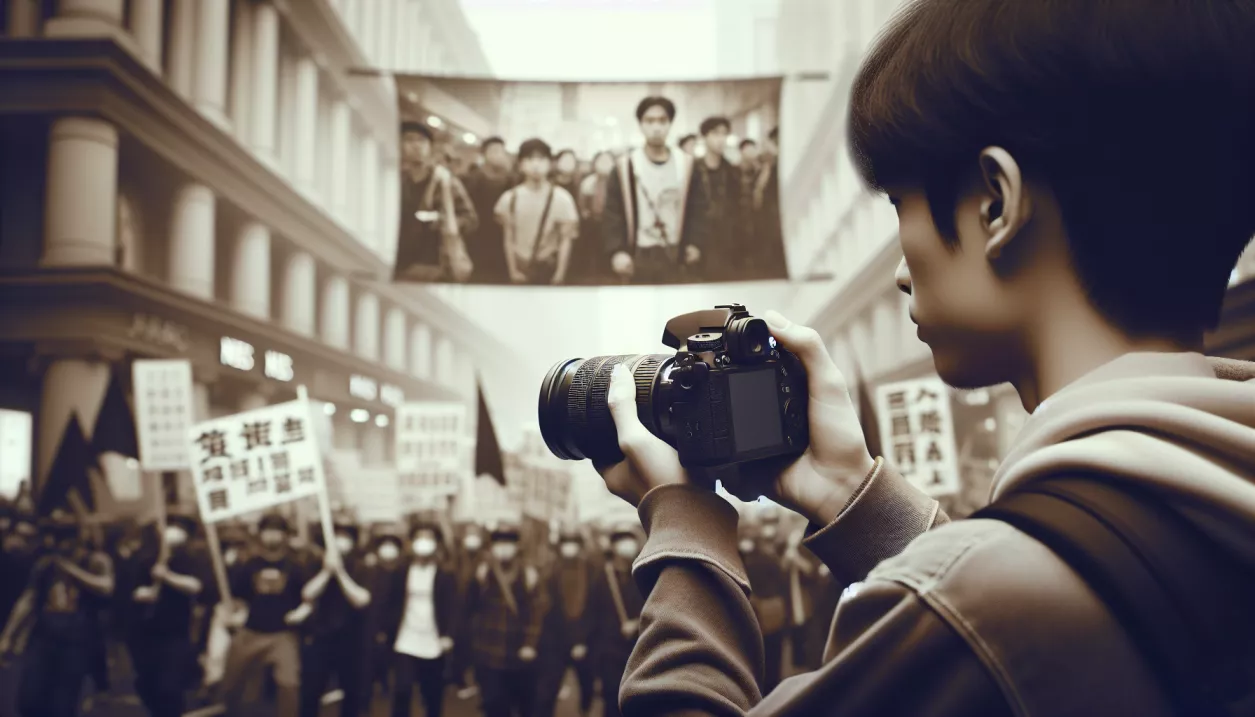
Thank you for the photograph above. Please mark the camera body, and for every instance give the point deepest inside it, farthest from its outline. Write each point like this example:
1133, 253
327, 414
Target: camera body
733, 395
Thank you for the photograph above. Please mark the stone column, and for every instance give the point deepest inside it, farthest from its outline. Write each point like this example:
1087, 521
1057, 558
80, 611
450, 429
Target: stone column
209, 88
299, 293
180, 70
395, 339
192, 241
335, 312
390, 210
71, 386
80, 219
86, 18
242, 69
265, 80
366, 326
23, 19
146, 26
341, 130
420, 351
368, 206
307, 149
250, 273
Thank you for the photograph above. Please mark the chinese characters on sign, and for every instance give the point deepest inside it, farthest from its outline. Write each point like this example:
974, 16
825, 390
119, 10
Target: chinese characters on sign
432, 449
918, 434
163, 412
255, 460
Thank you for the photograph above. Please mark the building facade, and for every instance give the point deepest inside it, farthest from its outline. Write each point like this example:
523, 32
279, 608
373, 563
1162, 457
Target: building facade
835, 228
218, 180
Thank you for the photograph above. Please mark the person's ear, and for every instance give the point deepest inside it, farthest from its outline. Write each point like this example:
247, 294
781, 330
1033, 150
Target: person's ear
1006, 206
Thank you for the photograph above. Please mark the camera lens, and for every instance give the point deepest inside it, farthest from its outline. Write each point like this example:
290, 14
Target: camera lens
574, 417
748, 340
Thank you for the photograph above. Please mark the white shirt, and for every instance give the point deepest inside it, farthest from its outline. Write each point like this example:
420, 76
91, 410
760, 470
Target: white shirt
418, 635
659, 191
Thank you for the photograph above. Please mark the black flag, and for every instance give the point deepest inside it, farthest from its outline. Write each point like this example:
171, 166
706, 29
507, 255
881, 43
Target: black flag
867, 416
487, 449
115, 425
69, 471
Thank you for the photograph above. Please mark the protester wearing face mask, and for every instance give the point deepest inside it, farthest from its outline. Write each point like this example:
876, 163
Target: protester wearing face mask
333, 642
68, 587
466, 561
385, 563
420, 616
270, 584
565, 636
767, 580
18, 547
507, 604
165, 586
616, 605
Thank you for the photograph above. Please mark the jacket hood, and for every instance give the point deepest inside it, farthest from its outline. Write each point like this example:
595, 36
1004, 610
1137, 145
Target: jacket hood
1181, 425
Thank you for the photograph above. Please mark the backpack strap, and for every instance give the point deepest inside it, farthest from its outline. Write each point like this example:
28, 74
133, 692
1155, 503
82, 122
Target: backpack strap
1182, 600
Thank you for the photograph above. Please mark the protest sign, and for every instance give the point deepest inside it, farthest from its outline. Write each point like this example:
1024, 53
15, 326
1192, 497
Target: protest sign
163, 412
918, 430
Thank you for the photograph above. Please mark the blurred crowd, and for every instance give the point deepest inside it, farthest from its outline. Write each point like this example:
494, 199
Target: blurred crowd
395, 613
701, 209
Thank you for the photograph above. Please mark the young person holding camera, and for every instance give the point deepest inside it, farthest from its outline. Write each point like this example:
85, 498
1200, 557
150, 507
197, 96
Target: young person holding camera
1073, 183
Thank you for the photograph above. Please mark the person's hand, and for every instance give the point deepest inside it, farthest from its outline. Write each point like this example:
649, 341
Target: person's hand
578, 652
299, 615
332, 562
692, 254
816, 484
145, 594
622, 264
518, 276
446, 644
527, 654
442, 173
630, 628
160, 572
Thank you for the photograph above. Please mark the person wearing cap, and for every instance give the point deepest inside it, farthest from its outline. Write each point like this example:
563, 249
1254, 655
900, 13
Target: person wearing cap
436, 213
333, 634
508, 605
767, 580
160, 594
466, 562
616, 605
67, 589
421, 612
384, 562
269, 583
565, 636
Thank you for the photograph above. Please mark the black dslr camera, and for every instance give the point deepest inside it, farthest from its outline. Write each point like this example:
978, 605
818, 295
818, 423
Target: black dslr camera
729, 396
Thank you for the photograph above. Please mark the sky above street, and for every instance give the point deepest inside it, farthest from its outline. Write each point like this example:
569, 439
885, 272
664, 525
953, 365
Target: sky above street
596, 39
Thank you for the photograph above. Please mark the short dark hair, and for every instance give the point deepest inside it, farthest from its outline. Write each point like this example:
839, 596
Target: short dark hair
411, 126
747, 143
535, 148
1136, 113
655, 101
710, 124
561, 152
688, 138
490, 142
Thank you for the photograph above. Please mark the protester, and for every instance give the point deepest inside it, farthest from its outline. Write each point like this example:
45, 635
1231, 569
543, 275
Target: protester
436, 213
565, 637
485, 184
334, 644
616, 613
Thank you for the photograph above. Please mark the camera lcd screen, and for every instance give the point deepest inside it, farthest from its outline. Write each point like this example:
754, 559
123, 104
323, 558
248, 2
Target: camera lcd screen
755, 410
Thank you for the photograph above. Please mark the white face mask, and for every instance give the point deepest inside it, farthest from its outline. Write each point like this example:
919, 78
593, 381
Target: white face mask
424, 547
230, 556
769, 532
473, 542
569, 550
344, 544
747, 546
505, 551
389, 551
175, 536
626, 549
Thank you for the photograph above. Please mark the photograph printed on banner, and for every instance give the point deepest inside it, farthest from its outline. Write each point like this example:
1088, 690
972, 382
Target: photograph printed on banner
588, 183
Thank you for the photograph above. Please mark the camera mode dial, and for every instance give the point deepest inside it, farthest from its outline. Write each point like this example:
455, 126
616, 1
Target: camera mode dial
699, 343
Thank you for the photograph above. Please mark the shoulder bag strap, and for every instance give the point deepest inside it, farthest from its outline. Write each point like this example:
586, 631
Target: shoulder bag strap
1183, 603
540, 229
506, 593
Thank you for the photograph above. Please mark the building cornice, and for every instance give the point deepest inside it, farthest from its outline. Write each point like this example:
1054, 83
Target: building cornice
100, 78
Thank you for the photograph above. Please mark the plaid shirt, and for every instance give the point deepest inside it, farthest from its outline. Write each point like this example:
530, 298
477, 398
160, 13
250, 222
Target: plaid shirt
497, 633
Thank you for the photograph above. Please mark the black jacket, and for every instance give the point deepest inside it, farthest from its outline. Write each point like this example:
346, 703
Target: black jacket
447, 604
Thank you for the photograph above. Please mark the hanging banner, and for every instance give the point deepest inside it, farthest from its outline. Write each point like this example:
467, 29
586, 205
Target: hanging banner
255, 460
588, 183
915, 419
163, 412
433, 450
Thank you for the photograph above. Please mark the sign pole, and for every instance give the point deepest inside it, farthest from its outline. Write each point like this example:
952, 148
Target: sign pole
324, 503
219, 565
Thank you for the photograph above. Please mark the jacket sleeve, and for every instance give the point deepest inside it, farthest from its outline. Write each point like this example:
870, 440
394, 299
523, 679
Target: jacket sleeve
697, 214
700, 653
464, 208
614, 224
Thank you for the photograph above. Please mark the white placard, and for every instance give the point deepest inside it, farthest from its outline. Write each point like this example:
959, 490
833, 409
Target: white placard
431, 449
163, 412
917, 433
254, 460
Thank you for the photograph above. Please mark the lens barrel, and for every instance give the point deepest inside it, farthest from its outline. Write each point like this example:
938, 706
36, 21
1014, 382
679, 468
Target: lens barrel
575, 419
